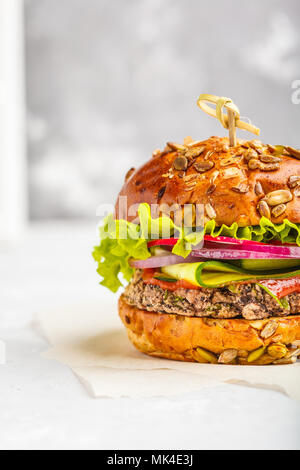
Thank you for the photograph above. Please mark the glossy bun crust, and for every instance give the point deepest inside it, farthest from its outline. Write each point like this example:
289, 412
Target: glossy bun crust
158, 182
177, 337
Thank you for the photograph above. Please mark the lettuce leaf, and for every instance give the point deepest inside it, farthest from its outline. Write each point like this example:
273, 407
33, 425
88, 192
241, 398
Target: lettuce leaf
122, 240
287, 232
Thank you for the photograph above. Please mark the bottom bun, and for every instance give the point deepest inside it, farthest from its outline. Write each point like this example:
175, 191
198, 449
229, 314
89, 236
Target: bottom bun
229, 341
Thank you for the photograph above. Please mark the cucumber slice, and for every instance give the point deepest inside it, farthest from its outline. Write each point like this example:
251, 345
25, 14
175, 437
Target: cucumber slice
268, 264
217, 273
165, 278
185, 271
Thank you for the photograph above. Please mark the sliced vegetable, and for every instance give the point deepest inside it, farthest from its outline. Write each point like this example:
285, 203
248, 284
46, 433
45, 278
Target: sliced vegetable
154, 278
163, 242
268, 264
234, 254
266, 231
164, 278
220, 239
122, 240
230, 240
218, 273
158, 261
281, 287
231, 248
266, 251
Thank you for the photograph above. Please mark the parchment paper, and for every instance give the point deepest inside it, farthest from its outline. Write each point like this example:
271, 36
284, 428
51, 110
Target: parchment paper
91, 340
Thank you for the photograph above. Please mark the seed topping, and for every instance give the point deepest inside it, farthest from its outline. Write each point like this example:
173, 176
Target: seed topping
228, 356
250, 154
269, 329
256, 354
231, 172
242, 188
156, 153
253, 164
214, 176
277, 211
258, 189
194, 152
206, 355
129, 173
280, 196
294, 152
196, 143
270, 159
174, 146
297, 191
211, 189
269, 166
294, 181
180, 163
210, 211
277, 350
263, 209
202, 167
161, 192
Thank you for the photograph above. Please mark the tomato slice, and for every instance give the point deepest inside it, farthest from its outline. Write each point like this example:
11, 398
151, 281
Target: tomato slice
148, 278
282, 287
163, 242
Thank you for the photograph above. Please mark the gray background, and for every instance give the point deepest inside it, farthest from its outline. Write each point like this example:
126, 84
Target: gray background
110, 80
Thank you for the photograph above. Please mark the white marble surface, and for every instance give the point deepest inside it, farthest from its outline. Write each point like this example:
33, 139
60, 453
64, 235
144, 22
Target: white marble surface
43, 406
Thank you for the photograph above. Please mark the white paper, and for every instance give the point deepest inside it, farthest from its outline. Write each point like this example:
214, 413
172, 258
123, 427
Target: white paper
97, 349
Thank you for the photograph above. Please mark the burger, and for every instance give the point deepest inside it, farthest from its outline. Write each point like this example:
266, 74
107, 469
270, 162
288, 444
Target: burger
206, 235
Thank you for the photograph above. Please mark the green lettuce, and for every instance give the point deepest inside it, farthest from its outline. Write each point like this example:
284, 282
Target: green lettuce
122, 240
287, 232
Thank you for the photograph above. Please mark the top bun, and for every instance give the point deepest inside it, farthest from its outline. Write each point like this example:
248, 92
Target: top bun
234, 183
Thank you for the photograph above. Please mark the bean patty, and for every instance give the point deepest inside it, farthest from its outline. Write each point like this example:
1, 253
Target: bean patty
247, 301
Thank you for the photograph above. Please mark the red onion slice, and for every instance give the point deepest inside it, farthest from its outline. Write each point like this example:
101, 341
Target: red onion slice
160, 261
235, 241
203, 255
265, 251
241, 253
207, 238
243, 248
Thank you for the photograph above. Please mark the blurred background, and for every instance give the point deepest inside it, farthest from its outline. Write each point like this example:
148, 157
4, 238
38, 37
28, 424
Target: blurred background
88, 88
107, 81
110, 80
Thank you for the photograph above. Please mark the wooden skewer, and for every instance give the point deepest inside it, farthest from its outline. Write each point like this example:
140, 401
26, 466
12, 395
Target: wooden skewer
231, 120
231, 128
203, 101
